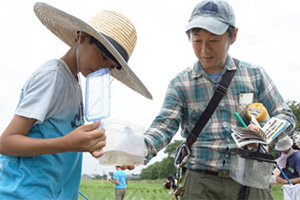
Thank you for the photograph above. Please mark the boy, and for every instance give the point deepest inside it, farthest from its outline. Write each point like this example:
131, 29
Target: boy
120, 179
41, 147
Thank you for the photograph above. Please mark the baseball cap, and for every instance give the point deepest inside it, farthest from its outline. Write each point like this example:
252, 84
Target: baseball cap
214, 16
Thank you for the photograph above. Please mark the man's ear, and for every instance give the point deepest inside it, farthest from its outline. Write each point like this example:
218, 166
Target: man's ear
234, 35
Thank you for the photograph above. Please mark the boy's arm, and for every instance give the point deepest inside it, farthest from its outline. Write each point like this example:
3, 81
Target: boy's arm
15, 142
284, 181
114, 181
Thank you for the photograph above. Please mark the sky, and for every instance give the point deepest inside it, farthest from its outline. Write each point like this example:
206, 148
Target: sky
268, 36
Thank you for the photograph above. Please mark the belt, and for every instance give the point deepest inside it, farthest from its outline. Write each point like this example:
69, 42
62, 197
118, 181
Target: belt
219, 173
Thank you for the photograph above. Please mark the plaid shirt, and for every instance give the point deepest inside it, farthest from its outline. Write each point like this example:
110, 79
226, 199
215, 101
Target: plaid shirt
188, 95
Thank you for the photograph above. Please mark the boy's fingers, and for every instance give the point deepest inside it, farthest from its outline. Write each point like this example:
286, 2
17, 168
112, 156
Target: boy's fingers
98, 134
97, 153
92, 126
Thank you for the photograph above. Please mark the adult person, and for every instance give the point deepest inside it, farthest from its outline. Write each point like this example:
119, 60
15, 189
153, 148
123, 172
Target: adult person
289, 161
211, 30
120, 180
42, 146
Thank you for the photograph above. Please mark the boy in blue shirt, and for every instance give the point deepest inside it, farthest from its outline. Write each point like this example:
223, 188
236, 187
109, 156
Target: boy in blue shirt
120, 179
41, 149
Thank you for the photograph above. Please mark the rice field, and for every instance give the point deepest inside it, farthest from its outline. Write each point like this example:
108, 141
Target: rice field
138, 190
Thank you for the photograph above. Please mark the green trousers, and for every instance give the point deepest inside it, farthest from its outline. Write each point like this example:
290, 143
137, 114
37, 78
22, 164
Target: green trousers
199, 185
120, 193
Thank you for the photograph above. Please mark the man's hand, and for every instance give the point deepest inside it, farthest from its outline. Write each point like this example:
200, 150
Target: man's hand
256, 129
129, 167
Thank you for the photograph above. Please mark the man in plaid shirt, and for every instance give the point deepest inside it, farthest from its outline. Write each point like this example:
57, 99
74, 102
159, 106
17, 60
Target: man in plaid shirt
212, 30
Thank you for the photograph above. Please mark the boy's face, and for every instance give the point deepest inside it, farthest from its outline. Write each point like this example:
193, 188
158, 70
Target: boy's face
91, 58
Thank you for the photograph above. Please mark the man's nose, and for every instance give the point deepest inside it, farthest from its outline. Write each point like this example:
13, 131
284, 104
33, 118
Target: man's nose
205, 47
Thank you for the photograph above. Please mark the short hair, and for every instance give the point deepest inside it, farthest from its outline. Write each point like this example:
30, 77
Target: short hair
104, 50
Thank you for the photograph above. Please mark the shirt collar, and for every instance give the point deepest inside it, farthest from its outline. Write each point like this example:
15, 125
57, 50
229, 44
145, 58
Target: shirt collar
198, 70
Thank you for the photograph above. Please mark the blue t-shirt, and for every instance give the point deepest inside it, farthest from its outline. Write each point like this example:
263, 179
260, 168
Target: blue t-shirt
53, 97
292, 168
121, 176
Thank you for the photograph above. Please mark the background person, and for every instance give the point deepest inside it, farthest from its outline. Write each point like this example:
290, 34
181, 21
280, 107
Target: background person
120, 180
288, 161
211, 30
41, 149
170, 183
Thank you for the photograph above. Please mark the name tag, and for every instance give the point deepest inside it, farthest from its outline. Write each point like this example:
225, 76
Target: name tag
246, 98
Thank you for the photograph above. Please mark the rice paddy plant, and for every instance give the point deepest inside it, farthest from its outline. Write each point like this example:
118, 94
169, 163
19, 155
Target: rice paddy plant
138, 190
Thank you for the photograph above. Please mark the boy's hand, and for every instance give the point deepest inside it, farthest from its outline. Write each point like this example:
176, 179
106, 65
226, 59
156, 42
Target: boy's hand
87, 138
281, 180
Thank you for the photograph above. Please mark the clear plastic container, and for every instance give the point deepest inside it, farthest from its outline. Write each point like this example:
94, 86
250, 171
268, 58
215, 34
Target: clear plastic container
97, 96
124, 143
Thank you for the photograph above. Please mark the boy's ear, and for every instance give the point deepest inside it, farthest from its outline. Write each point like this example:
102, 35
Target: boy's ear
82, 36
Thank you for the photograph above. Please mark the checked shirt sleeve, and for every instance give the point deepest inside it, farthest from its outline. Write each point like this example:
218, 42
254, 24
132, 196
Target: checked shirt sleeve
165, 125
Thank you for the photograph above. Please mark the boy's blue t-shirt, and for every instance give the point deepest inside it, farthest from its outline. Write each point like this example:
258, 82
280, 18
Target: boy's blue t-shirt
121, 176
52, 96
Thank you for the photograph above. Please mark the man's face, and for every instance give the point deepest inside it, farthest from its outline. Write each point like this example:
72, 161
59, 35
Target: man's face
210, 49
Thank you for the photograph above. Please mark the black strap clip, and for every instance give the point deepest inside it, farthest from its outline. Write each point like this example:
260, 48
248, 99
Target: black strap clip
221, 90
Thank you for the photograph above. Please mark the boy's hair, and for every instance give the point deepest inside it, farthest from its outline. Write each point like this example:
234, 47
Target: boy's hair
230, 31
105, 51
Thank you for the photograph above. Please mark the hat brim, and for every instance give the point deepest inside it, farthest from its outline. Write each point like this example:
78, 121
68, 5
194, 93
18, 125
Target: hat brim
66, 26
288, 143
282, 148
208, 23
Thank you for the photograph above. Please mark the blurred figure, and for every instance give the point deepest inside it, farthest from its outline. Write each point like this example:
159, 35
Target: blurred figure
289, 161
120, 179
170, 183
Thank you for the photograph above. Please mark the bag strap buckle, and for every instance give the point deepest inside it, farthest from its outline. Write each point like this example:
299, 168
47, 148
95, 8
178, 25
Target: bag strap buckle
221, 90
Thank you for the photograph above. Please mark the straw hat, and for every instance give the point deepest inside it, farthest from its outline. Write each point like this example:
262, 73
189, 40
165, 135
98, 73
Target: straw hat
284, 144
113, 30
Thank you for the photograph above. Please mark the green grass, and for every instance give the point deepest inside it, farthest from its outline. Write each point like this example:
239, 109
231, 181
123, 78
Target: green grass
137, 190
277, 192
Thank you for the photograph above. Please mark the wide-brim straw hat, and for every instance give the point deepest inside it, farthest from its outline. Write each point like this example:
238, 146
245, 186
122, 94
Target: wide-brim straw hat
113, 30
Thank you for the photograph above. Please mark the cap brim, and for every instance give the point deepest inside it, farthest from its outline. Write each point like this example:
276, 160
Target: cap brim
208, 23
66, 26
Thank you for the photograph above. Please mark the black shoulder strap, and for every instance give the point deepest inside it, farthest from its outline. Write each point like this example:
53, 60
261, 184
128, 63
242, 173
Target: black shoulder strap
221, 91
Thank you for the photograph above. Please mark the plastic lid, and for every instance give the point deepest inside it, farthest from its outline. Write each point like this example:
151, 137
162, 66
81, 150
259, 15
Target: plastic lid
97, 95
